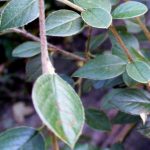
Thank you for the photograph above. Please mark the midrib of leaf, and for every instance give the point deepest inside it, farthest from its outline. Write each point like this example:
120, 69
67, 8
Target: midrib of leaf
18, 13
73, 19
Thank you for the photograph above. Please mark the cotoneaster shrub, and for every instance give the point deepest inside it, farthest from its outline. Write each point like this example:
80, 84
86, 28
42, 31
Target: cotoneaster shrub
55, 101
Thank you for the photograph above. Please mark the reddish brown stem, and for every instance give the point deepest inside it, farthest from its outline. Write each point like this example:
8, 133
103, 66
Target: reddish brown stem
51, 47
120, 41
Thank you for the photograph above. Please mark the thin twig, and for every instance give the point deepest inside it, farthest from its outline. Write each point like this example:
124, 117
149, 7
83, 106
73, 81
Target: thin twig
47, 66
124, 133
54, 142
143, 27
72, 5
120, 41
51, 47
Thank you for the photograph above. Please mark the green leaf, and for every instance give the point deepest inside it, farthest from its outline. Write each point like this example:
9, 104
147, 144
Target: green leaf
33, 68
129, 81
101, 68
21, 138
97, 17
139, 71
63, 23
132, 101
109, 83
105, 102
105, 4
27, 49
97, 120
18, 13
123, 118
59, 107
132, 26
130, 9
96, 41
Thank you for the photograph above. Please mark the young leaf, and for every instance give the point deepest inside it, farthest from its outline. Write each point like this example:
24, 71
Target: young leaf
97, 120
132, 101
27, 49
101, 68
59, 107
139, 71
18, 13
105, 4
130, 9
21, 138
97, 17
63, 23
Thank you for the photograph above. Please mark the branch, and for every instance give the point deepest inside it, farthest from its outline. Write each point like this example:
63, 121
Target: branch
47, 66
120, 41
72, 5
54, 142
50, 46
143, 27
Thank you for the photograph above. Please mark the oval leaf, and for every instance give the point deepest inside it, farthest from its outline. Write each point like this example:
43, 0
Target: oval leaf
132, 101
129, 9
97, 120
22, 138
97, 17
59, 107
105, 4
18, 13
27, 49
101, 68
63, 23
139, 71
